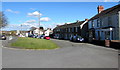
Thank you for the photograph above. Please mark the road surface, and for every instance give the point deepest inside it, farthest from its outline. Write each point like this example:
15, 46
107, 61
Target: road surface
69, 55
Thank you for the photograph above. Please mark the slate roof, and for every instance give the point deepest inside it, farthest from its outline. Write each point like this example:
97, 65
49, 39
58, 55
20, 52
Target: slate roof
70, 24
106, 11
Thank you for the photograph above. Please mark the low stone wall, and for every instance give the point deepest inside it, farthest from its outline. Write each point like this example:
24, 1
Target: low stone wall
98, 42
108, 43
115, 44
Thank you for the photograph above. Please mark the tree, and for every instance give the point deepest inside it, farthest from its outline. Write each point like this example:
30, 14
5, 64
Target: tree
3, 20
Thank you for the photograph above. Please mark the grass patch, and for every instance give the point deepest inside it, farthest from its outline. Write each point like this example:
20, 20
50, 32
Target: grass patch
34, 43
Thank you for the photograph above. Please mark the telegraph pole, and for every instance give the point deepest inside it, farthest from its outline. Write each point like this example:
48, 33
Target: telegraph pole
39, 22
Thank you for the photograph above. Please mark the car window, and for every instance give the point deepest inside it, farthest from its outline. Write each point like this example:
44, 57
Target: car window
79, 36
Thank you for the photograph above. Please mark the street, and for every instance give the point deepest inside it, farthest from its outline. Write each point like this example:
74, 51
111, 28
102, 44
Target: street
69, 55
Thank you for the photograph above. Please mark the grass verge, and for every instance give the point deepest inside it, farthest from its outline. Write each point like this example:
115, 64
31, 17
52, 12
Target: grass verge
34, 43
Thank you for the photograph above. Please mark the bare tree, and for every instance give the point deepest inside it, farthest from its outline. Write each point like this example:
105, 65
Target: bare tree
3, 20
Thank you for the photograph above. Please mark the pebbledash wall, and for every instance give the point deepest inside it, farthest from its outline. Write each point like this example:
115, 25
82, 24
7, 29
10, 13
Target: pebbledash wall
105, 25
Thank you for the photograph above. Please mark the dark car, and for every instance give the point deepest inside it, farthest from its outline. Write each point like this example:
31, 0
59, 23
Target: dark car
77, 38
2, 37
42, 36
30, 35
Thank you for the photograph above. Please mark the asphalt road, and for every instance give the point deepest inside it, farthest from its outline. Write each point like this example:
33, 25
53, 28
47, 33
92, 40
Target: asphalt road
70, 55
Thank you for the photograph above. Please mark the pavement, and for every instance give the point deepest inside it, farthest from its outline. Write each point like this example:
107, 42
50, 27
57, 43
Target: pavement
69, 55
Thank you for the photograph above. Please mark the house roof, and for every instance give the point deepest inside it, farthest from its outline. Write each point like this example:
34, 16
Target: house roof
70, 24
106, 11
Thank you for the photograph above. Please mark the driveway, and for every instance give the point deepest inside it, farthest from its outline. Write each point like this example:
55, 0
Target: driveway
69, 55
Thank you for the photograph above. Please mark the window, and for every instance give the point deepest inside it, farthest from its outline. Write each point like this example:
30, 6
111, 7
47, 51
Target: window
98, 23
72, 29
101, 22
68, 29
109, 21
76, 29
92, 24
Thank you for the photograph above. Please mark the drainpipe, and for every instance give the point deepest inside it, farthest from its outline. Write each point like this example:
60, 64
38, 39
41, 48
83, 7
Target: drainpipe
119, 23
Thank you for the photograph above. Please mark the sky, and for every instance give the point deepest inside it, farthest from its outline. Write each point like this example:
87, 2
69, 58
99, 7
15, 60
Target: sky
51, 13
60, 0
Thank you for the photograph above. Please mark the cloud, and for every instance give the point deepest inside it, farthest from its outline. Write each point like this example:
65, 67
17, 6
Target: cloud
58, 23
31, 21
32, 8
36, 13
105, 0
30, 24
9, 10
45, 19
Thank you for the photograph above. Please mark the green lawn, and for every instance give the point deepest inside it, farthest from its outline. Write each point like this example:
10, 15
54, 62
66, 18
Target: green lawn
34, 43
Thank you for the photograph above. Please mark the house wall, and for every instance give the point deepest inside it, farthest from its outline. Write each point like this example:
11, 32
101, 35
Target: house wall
37, 32
65, 32
109, 19
119, 24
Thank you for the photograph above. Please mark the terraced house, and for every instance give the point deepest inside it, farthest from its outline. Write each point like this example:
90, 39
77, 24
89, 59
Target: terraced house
106, 24
71, 29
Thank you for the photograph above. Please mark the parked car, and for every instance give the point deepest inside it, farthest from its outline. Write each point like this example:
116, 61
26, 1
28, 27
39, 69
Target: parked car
47, 37
30, 35
56, 37
77, 38
42, 36
2, 37
35, 36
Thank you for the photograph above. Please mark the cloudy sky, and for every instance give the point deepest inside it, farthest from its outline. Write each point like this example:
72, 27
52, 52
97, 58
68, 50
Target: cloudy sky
23, 15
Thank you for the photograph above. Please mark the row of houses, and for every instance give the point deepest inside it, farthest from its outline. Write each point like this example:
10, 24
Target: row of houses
103, 26
40, 31
72, 29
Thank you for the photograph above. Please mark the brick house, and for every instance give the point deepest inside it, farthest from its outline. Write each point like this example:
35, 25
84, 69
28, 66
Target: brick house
105, 25
67, 30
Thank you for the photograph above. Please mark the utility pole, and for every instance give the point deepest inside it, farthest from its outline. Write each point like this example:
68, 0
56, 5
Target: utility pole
39, 22
21, 29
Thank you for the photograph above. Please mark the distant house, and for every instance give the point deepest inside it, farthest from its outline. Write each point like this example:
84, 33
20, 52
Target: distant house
48, 32
106, 24
36, 31
72, 29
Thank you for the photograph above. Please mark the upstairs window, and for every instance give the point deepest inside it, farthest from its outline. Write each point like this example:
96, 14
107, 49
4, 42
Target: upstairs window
92, 24
76, 29
101, 22
98, 23
109, 21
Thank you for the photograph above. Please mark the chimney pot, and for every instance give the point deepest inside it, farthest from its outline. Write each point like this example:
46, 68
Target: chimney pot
58, 25
100, 8
86, 19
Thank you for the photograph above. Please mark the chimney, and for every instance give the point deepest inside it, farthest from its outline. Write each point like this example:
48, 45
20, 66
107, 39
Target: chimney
86, 19
65, 24
100, 8
58, 25
77, 21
